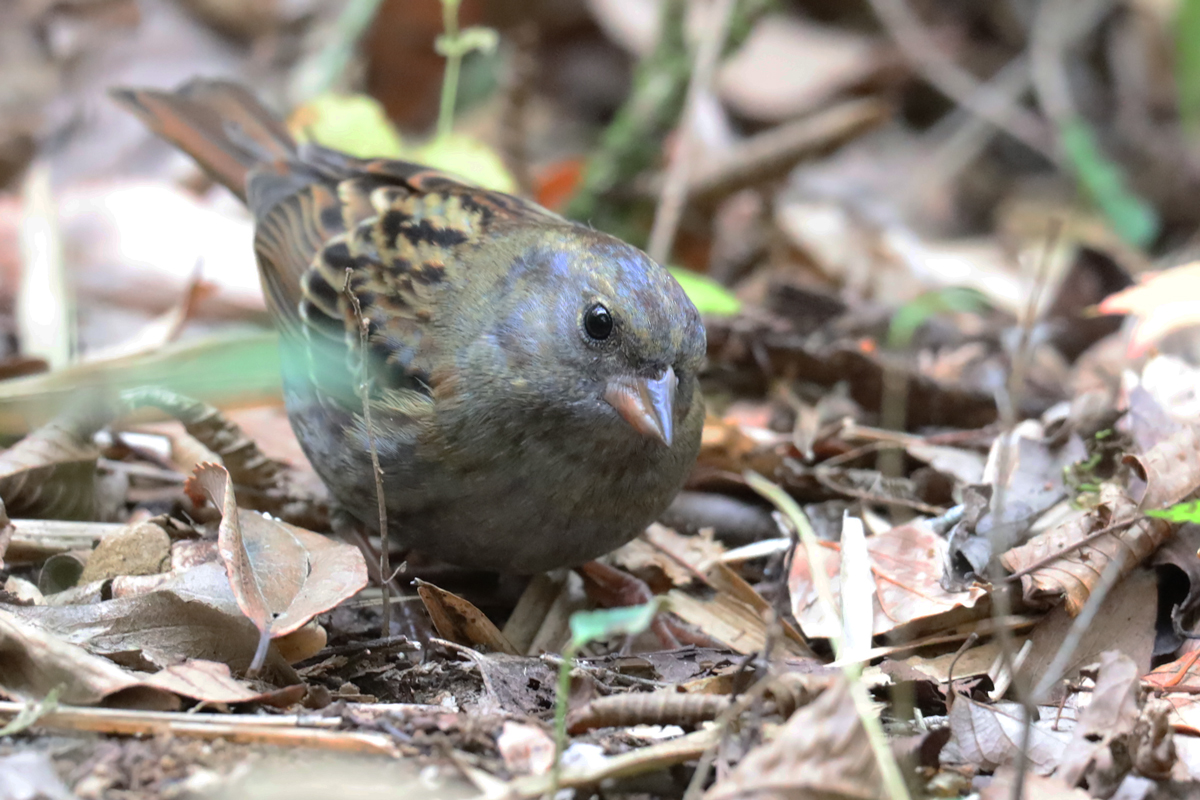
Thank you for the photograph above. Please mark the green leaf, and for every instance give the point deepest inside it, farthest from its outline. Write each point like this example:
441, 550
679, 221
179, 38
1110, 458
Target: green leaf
1187, 63
236, 368
1181, 512
588, 626
711, 298
1131, 217
913, 314
353, 123
468, 157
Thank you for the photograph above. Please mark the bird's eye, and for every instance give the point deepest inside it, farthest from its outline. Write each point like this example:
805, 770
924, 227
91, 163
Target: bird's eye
598, 322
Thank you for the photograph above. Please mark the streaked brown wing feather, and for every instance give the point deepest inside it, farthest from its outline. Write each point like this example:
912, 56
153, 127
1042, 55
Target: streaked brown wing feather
399, 230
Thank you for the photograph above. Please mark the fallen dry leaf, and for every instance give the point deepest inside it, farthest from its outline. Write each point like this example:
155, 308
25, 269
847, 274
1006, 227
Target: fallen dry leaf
282, 575
836, 59
33, 662
192, 615
1099, 742
906, 563
660, 551
1163, 302
1124, 622
1076, 573
460, 621
988, 737
51, 472
822, 751
247, 583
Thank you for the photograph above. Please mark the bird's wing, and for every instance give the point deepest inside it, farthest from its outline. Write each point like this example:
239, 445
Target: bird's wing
394, 235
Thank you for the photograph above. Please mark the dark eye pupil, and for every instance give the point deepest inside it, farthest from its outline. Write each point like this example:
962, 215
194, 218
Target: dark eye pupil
598, 322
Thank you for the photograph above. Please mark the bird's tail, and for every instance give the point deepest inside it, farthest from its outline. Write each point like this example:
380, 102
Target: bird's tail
218, 123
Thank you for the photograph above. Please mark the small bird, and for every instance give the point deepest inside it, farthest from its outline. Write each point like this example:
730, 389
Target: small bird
532, 383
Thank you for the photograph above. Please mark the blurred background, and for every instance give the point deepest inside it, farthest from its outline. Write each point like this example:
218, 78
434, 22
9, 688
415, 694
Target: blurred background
831, 161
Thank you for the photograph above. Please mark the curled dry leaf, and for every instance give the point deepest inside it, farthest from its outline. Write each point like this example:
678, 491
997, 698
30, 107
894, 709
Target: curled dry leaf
460, 621
1078, 571
823, 751
718, 616
731, 447
906, 563
281, 575
51, 472
214, 482
33, 662
736, 615
666, 707
1170, 470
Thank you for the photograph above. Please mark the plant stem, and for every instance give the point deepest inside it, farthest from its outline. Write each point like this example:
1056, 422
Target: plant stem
453, 66
560, 716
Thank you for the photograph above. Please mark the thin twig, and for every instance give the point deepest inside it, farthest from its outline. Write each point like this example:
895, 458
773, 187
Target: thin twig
1091, 537
957, 139
674, 192
364, 390
967, 644
771, 154
983, 100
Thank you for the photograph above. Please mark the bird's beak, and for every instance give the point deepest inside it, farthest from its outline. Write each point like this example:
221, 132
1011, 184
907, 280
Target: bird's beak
647, 404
